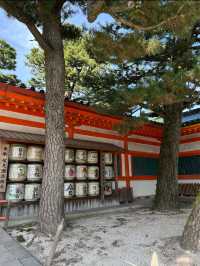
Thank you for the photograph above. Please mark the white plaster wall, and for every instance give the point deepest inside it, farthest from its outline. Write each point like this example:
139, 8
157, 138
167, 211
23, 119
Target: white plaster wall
121, 184
132, 146
148, 187
192, 146
143, 187
24, 129
21, 128
22, 116
190, 181
118, 143
130, 165
123, 164
143, 138
99, 130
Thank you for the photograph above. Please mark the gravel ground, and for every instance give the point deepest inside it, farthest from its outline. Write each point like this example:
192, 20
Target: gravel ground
118, 239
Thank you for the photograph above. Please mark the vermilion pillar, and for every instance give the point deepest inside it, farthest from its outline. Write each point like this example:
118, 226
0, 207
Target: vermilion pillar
126, 162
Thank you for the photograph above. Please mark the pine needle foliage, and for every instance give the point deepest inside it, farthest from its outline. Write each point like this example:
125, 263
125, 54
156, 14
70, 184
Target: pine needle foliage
7, 56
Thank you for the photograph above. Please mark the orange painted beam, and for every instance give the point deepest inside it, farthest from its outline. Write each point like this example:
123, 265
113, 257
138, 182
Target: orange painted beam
121, 178
143, 154
3, 218
149, 177
31, 110
189, 153
146, 177
15, 97
3, 202
197, 176
190, 140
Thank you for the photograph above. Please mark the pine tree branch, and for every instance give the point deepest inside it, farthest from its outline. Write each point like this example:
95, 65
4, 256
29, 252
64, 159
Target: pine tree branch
58, 4
16, 12
195, 47
128, 23
132, 25
94, 8
39, 37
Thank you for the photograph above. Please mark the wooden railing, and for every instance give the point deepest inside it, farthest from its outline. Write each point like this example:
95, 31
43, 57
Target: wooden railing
189, 189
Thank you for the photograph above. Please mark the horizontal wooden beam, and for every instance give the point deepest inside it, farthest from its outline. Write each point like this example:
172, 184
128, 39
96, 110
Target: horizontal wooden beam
14, 136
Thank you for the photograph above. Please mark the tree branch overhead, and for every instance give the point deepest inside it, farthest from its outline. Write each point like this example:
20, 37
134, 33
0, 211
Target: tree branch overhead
12, 9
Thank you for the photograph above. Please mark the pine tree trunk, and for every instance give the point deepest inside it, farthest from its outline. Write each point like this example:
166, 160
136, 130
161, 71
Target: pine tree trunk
191, 235
166, 197
52, 199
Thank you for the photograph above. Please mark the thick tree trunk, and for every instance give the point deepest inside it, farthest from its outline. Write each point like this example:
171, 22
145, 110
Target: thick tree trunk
52, 198
167, 185
191, 235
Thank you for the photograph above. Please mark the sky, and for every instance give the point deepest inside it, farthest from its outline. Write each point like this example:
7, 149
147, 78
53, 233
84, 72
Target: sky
18, 36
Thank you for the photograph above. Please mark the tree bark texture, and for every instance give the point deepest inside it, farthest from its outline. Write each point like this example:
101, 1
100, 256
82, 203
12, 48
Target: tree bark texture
166, 197
191, 235
52, 197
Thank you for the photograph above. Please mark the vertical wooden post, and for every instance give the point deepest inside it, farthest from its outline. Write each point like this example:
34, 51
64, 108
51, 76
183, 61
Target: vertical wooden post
7, 215
70, 131
2, 196
4, 150
115, 173
126, 162
1, 158
102, 174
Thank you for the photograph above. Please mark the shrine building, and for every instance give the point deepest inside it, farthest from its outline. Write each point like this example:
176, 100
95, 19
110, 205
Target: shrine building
103, 167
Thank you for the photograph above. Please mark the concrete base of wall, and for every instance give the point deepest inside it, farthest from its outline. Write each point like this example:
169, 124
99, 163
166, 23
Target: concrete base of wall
141, 202
31, 210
